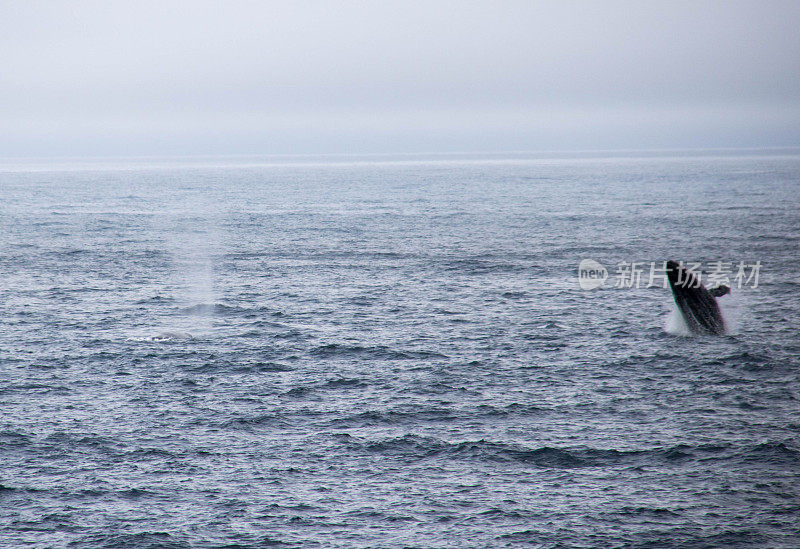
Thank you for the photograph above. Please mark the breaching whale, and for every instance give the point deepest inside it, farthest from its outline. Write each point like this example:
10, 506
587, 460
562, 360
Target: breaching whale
697, 305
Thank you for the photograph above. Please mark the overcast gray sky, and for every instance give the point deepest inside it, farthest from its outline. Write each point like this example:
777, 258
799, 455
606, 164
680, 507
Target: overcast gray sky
232, 77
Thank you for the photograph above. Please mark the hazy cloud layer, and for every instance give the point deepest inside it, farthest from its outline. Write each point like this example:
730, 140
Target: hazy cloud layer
279, 77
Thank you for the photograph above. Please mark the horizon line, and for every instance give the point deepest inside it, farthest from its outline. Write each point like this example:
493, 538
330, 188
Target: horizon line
189, 156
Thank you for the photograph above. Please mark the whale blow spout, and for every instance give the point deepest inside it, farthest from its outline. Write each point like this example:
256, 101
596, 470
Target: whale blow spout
697, 305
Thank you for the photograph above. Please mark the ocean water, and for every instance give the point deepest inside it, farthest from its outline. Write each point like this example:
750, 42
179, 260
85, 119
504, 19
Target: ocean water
395, 352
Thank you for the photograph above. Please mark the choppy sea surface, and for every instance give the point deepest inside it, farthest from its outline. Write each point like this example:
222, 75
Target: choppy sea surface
395, 352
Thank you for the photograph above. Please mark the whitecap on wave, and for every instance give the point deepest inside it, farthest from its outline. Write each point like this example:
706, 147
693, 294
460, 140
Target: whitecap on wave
675, 324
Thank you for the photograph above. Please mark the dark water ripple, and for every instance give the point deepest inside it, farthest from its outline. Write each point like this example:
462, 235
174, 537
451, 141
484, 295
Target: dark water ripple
395, 355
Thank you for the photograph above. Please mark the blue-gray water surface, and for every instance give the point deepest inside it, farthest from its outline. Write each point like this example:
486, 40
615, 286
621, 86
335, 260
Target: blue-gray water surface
395, 352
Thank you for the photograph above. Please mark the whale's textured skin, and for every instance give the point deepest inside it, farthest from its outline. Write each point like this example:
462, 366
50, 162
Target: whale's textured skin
697, 305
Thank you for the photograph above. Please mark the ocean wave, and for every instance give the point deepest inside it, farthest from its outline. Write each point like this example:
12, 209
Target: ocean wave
686, 537
155, 300
162, 337
334, 350
777, 453
648, 511
262, 367
220, 309
298, 392
14, 439
417, 415
140, 540
480, 266
418, 447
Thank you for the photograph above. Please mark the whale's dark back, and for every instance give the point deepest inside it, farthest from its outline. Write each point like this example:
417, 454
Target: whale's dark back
698, 307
